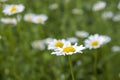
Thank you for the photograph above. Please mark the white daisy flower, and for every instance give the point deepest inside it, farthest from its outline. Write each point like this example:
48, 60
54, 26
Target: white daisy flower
53, 6
72, 39
115, 48
38, 44
13, 9
81, 34
116, 18
107, 15
99, 6
56, 44
77, 11
9, 21
68, 49
40, 19
93, 41
29, 17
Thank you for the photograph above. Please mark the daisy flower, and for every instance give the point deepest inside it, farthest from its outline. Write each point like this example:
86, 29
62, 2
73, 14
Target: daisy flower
53, 6
56, 44
3, 0
9, 21
40, 19
38, 44
115, 48
107, 15
93, 41
81, 34
116, 17
48, 40
77, 11
118, 6
13, 9
68, 49
28, 17
99, 6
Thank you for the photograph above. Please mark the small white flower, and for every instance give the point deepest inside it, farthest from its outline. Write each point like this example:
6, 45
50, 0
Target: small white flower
56, 44
72, 39
107, 15
81, 34
116, 18
115, 48
68, 49
13, 9
9, 21
29, 17
99, 6
38, 44
40, 19
77, 11
118, 5
53, 6
93, 41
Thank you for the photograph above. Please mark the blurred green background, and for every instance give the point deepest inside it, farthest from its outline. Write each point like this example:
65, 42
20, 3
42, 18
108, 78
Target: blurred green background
19, 61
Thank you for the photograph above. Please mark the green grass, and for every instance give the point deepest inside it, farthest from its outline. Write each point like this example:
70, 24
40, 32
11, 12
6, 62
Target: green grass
19, 61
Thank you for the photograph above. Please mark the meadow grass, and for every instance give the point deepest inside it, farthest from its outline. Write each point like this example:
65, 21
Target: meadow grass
19, 61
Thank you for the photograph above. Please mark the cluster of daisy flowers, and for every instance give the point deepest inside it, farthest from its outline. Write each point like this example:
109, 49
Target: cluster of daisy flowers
35, 18
11, 9
64, 47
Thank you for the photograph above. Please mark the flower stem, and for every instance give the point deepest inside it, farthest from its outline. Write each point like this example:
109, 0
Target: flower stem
71, 68
95, 65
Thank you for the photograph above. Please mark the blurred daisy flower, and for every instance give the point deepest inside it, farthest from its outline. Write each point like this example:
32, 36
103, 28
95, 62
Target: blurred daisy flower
29, 17
9, 21
3, 0
93, 41
56, 44
99, 6
13, 9
107, 15
72, 39
81, 34
115, 48
48, 40
116, 18
39, 19
53, 6
68, 49
0, 37
77, 11
118, 6
38, 44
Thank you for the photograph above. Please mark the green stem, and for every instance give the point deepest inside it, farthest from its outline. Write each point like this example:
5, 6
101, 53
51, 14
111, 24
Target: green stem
95, 65
71, 68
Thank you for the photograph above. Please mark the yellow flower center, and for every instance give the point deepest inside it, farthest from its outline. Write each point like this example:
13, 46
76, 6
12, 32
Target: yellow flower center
13, 8
39, 19
59, 44
94, 43
69, 49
